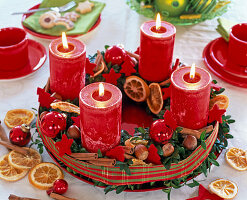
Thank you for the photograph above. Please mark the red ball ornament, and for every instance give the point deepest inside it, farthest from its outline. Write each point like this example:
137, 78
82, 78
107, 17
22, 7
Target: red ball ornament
115, 55
60, 186
52, 123
20, 135
159, 132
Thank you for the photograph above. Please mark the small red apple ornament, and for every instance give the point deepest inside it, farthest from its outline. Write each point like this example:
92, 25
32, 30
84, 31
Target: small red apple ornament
20, 135
52, 123
115, 55
159, 132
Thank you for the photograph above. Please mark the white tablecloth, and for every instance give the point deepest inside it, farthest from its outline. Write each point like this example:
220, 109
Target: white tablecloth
121, 25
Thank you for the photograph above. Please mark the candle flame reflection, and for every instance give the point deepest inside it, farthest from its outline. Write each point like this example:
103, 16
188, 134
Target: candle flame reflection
101, 90
158, 22
192, 71
64, 41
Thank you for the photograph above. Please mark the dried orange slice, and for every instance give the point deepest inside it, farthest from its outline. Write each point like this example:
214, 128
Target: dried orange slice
221, 100
224, 188
8, 172
18, 117
236, 158
155, 99
136, 88
43, 175
66, 107
20, 161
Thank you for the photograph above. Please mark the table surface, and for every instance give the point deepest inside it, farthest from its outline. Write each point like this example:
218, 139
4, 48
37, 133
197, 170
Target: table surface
120, 25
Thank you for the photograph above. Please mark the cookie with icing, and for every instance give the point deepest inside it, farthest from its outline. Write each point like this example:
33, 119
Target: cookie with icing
64, 22
47, 20
72, 16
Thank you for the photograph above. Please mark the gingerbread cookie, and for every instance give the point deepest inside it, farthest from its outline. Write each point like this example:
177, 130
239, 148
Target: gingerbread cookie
72, 16
47, 20
64, 22
84, 7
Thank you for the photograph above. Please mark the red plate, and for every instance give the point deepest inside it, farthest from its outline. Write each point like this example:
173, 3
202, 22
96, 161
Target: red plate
219, 53
37, 57
216, 62
50, 37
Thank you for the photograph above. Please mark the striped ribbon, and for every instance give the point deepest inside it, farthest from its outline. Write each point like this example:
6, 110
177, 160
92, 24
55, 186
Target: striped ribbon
139, 174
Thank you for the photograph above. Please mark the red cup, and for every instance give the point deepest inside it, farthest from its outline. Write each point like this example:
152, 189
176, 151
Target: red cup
237, 50
13, 49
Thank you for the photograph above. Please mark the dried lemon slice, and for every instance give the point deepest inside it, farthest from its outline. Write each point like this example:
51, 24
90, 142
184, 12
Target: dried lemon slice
236, 158
8, 172
66, 107
21, 161
43, 175
136, 88
18, 117
224, 188
221, 100
155, 99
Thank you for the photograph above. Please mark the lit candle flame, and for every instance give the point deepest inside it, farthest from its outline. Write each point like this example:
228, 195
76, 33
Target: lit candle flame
101, 90
64, 40
158, 22
192, 71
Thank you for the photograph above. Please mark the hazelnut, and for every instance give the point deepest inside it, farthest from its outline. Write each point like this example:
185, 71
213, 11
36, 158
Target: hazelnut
57, 96
141, 152
168, 149
42, 114
190, 142
73, 132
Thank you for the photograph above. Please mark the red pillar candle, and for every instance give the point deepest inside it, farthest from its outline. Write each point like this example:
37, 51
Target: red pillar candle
100, 116
156, 50
67, 67
190, 97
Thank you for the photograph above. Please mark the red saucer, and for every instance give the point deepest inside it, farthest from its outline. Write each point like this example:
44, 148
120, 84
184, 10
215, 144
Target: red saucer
214, 58
219, 53
51, 37
37, 57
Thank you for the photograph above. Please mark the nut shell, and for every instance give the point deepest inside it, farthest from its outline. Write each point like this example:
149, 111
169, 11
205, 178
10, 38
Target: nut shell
168, 149
128, 143
190, 142
141, 152
134, 143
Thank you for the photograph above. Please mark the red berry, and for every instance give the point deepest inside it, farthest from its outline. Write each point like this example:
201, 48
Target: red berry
115, 55
52, 123
159, 132
20, 135
60, 186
